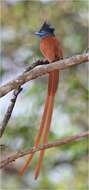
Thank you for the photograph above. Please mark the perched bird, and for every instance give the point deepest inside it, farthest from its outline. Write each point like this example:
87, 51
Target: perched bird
52, 51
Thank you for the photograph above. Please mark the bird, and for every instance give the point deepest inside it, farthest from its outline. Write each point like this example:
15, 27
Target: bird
52, 51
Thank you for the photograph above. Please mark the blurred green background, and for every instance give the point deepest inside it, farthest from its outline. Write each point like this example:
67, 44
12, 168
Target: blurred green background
64, 168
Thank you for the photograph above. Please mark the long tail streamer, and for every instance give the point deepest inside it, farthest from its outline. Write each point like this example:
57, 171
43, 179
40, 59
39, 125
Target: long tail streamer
45, 122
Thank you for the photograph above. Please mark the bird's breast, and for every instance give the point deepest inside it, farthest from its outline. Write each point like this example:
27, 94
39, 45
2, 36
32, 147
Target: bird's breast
51, 49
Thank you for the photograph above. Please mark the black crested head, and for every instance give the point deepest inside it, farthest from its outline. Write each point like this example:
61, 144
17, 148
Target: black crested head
47, 27
45, 30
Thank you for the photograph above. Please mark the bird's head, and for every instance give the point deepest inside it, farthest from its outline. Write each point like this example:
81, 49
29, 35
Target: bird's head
45, 30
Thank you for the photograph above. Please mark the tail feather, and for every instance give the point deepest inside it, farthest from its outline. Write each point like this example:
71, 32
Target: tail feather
45, 122
37, 141
47, 126
52, 88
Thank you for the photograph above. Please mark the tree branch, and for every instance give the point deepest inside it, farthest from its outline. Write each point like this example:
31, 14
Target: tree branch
14, 98
9, 111
41, 70
61, 142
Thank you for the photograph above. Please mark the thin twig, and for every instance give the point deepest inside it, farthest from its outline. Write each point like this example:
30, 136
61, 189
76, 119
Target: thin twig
61, 142
9, 110
41, 70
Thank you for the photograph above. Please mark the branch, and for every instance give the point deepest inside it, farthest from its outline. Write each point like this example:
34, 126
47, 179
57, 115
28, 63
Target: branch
9, 111
61, 142
41, 70
14, 98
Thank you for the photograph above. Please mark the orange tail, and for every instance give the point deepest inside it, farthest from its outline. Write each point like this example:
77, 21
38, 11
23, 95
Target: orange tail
53, 83
37, 141
46, 110
47, 126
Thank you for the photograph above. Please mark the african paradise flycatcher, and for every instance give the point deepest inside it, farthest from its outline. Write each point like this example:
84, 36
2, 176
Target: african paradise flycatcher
52, 51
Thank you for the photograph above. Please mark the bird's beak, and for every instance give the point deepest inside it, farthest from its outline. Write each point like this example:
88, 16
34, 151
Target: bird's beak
42, 33
37, 33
